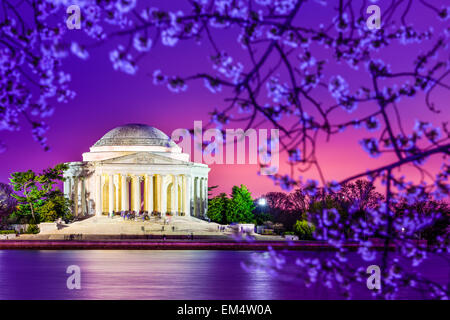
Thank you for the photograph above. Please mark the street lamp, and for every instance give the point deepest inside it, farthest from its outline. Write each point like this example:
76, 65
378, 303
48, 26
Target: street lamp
262, 202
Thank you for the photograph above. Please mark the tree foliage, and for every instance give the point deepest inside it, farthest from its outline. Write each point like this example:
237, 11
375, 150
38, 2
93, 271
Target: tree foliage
7, 201
53, 207
217, 208
262, 214
239, 208
241, 205
436, 214
211, 188
304, 229
32, 190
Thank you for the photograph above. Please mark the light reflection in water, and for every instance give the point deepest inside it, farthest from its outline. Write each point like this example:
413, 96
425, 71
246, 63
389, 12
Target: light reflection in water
141, 274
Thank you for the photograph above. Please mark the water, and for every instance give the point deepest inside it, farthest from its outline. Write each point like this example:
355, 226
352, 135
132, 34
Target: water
184, 274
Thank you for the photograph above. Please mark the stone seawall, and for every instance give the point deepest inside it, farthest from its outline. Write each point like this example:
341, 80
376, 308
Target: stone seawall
168, 245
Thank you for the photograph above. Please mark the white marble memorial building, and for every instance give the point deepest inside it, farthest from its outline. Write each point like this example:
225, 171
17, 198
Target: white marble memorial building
137, 168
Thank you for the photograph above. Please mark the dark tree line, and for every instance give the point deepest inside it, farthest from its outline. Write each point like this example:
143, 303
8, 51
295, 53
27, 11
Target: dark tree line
287, 208
352, 203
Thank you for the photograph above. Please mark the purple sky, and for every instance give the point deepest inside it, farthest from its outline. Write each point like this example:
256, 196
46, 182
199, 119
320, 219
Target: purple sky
106, 99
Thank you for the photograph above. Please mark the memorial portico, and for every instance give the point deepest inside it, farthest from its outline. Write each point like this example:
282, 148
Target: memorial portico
137, 168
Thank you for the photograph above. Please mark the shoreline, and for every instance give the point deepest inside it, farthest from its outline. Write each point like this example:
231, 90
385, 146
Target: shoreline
172, 245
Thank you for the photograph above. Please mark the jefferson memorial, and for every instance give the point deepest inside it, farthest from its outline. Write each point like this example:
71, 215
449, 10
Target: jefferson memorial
137, 168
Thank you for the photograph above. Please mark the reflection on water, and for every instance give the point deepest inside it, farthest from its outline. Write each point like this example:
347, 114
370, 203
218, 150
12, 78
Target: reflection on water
184, 274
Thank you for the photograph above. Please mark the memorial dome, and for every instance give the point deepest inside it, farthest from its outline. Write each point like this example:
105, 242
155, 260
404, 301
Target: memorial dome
135, 135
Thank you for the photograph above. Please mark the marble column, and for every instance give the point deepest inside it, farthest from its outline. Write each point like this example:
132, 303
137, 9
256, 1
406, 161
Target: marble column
98, 196
202, 197
83, 196
163, 191
150, 193
124, 203
187, 196
175, 194
182, 196
199, 196
157, 194
192, 195
67, 187
206, 197
116, 193
75, 196
137, 194
145, 200
195, 197
111, 194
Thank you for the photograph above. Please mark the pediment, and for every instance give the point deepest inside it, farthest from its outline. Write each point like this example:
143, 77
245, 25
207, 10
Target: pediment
143, 158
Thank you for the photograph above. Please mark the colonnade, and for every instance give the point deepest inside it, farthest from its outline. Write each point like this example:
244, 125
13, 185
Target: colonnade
75, 189
177, 194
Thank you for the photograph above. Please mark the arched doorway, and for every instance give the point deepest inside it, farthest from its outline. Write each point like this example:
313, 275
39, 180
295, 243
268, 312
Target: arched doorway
105, 197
